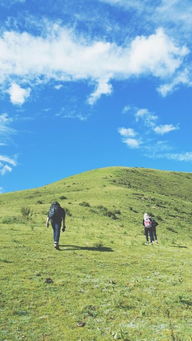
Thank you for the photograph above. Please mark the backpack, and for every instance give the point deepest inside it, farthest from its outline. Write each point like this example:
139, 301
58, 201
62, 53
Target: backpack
154, 223
148, 223
55, 211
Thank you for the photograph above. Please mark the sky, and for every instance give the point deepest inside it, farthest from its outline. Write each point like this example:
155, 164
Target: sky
88, 84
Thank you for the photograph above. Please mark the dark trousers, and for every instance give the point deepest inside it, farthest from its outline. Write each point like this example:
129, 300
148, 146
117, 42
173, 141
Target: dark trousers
154, 233
148, 231
56, 231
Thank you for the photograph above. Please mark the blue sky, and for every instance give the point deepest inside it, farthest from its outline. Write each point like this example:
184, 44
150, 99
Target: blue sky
86, 84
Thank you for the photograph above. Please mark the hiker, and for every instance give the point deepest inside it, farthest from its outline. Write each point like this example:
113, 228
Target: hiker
148, 230
56, 216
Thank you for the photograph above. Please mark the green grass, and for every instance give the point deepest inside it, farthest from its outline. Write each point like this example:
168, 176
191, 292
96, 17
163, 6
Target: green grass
104, 283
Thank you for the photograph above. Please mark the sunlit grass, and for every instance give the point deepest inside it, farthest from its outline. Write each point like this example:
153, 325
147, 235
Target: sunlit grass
104, 283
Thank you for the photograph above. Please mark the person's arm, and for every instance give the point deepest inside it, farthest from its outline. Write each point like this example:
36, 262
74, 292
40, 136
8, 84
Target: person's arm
47, 222
63, 222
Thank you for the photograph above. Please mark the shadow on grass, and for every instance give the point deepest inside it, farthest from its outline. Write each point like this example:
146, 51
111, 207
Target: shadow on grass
85, 248
188, 303
180, 246
6, 261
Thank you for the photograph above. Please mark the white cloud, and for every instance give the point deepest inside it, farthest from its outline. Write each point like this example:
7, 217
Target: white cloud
7, 159
6, 164
183, 77
127, 132
150, 119
129, 4
5, 169
154, 148
177, 12
147, 117
179, 156
164, 129
103, 88
172, 14
17, 94
126, 109
156, 55
5, 119
141, 113
132, 143
61, 56
58, 86
148, 129
129, 139
8, 3
5, 130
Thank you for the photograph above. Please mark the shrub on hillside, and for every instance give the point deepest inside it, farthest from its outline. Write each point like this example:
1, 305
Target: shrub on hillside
26, 212
39, 202
68, 212
85, 204
12, 220
62, 197
108, 213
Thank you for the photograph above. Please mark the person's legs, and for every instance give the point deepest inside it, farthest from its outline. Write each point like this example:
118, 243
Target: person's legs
146, 232
155, 233
56, 233
151, 234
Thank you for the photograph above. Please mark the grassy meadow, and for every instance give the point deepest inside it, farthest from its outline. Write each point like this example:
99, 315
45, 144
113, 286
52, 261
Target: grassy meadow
104, 283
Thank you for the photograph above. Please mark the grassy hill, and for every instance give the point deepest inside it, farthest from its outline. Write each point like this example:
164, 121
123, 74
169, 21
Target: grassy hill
104, 283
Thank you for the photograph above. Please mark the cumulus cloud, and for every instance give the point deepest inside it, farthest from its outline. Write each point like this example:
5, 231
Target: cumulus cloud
146, 116
141, 113
103, 88
156, 55
146, 135
132, 143
164, 129
18, 95
129, 139
150, 120
6, 164
60, 56
127, 132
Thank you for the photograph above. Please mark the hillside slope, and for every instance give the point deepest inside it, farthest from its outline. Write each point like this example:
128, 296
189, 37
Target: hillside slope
104, 283
133, 191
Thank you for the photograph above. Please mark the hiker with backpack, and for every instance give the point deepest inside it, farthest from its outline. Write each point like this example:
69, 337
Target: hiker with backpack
147, 223
56, 216
149, 229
